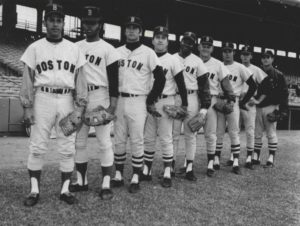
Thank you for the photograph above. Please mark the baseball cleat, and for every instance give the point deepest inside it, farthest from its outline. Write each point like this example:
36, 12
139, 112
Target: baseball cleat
255, 162
269, 165
249, 165
106, 194
236, 170
229, 163
77, 188
115, 183
210, 172
216, 166
144, 177
190, 176
68, 198
134, 188
31, 199
166, 182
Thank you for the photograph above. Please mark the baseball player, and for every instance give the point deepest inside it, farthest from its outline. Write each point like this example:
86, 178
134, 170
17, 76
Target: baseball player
162, 124
196, 80
218, 80
136, 66
101, 73
50, 76
239, 75
272, 94
248, 116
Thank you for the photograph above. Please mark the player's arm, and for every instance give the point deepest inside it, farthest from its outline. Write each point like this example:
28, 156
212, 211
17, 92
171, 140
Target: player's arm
158, 85
284, 94
81, 90
26, 94
179, 79
251, 90
227, 89
204, 91
113, 85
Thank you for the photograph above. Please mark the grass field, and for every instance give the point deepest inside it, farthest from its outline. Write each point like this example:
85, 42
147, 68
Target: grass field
258, 197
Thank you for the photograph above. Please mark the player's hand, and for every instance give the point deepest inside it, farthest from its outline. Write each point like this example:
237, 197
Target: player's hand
152, 110
28, 117
111, 109
243, 107
252, 102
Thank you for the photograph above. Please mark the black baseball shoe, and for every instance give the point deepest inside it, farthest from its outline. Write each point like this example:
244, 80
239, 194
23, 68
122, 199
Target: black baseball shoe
255, 162
115, 183
68, 198
144, 177
216, 166
166, 182
77, 188
210, 172
190, 176
269, 165
229, 163
106, 194
134, 188
249, 165
236, 170
31, 199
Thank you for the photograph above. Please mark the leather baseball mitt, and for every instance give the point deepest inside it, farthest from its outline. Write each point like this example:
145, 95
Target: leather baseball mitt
71, 122
274, 116
224, 106
175, 112
98, 116
197, 122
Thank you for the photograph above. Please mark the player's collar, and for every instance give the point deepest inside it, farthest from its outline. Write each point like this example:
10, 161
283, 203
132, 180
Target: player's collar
133, 45
54, 40
161, 54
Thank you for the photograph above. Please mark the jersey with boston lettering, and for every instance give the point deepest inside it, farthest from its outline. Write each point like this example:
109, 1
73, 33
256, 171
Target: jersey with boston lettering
171, 67
239, 74
217, 72
99, 55
193, 68
258, 76
55, 64
135, 69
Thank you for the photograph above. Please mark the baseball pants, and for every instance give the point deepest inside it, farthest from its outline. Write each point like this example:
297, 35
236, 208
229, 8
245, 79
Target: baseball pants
210, 127
248, 118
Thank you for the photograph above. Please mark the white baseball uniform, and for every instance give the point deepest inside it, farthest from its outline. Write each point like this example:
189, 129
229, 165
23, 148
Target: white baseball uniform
99, 55
135, 73
55, 66
193, 68
163, 125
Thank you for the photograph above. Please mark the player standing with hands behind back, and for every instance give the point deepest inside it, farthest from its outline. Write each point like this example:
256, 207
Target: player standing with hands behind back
51, 75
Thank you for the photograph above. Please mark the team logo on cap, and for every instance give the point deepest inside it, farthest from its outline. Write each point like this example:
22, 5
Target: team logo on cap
54, 7
90, 12
161, 29
132, 19
207, 39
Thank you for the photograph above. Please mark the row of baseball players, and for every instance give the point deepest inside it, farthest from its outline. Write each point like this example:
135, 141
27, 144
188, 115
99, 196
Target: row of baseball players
134, 83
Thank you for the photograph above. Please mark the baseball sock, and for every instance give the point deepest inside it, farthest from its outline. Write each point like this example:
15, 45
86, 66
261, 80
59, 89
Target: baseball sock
135, 175
217, 157
235, 159
167, 166
189, 166
65, 179
148, 159
106, 172
235, 150
271, 156
137, 164
81, 169
210, 158
35, 176
119, 171
249, 154
257, 148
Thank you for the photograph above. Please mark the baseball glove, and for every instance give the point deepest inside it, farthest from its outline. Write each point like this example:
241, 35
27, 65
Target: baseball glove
175, 112
71, 122
274, 116
98, 116
197, 122
224, 106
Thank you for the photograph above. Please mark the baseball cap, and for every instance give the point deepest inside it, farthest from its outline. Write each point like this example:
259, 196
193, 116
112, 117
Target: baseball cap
190, 35
207, 40
133, 20
161, 30
247, 49
227, 45
268, 53
54, 9
91, 13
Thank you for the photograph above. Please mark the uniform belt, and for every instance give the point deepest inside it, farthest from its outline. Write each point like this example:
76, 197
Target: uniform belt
164, 96
128, 95
222, 96
57, 91
92, 87
189, 91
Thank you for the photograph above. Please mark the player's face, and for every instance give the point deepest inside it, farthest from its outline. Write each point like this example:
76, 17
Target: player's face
186, 45
91, 27
228, 55
267, 61
160, 43
54, 25
133, 33
205, 50
246, 58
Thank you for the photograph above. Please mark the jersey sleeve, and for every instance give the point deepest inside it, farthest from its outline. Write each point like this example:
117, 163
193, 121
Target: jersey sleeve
201, 69
245, 73
81, 59
260, 75
112, 55
223, 72
29, 57
153, 60
177, 66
